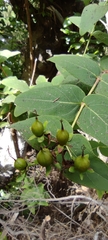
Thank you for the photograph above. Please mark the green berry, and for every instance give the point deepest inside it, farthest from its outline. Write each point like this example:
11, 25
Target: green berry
82, 163
44, 157
37, 128
62, 137
20, 164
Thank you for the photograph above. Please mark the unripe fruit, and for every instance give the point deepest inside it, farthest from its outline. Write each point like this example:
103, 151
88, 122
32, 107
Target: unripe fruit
44, 157
20, 164
82, 163
62, 137
37, 128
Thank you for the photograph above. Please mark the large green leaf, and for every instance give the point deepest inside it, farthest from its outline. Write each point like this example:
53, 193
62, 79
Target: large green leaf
63, 101
14, 83
97, 179
81, 67
90, 15
94, 117
52, 125
102, 87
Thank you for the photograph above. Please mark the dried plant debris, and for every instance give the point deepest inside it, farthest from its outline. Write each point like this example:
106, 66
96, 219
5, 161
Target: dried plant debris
73, 213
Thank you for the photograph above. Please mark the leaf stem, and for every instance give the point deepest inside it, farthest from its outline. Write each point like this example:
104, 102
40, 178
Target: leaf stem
94, 86
78, 114
83, 104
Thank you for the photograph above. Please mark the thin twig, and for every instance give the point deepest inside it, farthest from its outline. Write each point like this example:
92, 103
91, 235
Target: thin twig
12, 220
44, 223
15, 142
61, 200
33, 73
72, 220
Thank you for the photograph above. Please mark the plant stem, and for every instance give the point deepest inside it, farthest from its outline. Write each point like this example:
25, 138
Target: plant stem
88, 42
69, 151
87, 45
62, 127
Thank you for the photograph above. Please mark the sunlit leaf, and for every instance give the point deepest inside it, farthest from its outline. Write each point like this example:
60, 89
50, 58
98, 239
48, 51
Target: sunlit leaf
7, 53
15, 83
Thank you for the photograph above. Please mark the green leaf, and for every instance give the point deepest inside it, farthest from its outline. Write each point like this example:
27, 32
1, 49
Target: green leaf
57, 80
70, 80
15, 83
9, 99
81, 67
7, 54
20, 177
41, 79
98, 178
63, 101
102, 87
2, 59
74, 19
86, 2
6, 71
90, 15
4, 109
103, 149
4, 124
100, 194
94, 145
4, 238
91, 180
32, 207
94, 118
104, 63
53, 124
101, 37
38, 193
76, 144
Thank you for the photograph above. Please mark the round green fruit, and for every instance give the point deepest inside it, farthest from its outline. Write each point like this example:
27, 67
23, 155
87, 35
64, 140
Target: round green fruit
20, 164
82, 163
44, 157
62, 137
37, 128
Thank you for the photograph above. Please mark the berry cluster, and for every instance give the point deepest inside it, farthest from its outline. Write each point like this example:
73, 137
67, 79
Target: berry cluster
45, 156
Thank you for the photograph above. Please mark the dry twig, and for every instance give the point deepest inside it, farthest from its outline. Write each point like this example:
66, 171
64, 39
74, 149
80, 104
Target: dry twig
44, 223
